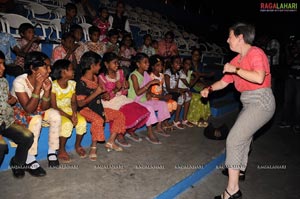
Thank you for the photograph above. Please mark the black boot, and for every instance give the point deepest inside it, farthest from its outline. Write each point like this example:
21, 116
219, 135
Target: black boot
17, 170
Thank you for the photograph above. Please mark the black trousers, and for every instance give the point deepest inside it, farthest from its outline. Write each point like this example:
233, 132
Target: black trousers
22, 137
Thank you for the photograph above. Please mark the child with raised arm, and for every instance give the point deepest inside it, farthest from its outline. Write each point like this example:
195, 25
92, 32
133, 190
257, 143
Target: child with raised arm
32, 109
114, 82
66, 50
28, 43
139, 84
88, 94
63, 99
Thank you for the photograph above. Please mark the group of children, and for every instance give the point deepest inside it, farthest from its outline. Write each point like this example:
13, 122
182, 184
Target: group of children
50, 96
93, 82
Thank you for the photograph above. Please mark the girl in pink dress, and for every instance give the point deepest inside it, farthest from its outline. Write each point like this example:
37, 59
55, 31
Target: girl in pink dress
102, 22
113, 80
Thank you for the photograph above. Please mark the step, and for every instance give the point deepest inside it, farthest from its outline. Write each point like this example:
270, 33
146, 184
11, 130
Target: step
222, 107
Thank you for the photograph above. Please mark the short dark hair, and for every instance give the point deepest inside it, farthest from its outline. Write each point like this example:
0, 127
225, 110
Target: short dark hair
107, 57
67, 35
87, 59
25, 26
34, 59
247, 30
112, 32
137, 58
58, 66
71, 6
93, 29
170, 33
75, 27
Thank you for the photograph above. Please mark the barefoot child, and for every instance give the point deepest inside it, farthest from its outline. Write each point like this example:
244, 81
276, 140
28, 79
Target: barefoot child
63, 99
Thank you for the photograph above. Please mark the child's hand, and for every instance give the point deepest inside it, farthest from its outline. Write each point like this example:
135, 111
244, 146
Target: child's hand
74, 47
36, 39
99, 90
155, 81
47, 85
39, 80
126, 85
105, 96
74, 119
167, 97
11, 99
118, 85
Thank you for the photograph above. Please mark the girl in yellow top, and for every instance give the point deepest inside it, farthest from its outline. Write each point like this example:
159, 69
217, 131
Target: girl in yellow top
63, 99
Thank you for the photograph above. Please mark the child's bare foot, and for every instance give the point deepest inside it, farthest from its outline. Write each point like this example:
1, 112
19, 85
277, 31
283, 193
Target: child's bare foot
63, 157
81, 152
152, 139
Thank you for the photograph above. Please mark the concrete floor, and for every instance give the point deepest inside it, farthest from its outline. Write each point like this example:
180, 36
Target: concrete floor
143, 171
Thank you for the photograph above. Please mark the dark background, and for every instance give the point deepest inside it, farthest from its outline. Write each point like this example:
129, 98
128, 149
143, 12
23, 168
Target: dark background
210, 19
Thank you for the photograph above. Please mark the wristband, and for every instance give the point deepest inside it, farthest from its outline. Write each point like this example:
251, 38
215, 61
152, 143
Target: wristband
46, 99
210, 89
33, 95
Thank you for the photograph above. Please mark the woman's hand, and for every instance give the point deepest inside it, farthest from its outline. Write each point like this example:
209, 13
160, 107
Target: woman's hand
229, 68
204, 92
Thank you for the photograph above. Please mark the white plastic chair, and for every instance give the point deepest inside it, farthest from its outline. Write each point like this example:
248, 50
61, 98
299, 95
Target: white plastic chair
62, 3
133, 18
55, 26
59, 12
156, 32
13, 21
181, 44
203, 47
143, 19
186, 35
85, 27
38, 9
